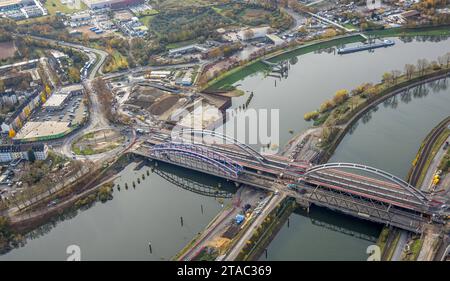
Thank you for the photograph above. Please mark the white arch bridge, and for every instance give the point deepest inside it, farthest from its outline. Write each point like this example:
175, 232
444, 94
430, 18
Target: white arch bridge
359, 190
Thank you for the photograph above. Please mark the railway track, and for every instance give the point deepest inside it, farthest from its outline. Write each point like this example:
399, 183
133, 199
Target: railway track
425, 153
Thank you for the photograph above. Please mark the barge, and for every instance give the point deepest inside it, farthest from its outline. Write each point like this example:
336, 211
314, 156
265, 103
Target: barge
363, 47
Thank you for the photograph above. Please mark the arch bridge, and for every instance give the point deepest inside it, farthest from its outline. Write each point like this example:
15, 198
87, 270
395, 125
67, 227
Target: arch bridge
359, 190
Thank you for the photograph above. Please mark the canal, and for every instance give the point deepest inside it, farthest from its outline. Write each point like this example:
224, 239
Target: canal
122, 228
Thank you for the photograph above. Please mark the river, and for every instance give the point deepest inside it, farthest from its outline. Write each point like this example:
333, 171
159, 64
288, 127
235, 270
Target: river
388, 138
123, 227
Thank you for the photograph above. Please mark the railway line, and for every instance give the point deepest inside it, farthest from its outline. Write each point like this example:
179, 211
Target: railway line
425, 152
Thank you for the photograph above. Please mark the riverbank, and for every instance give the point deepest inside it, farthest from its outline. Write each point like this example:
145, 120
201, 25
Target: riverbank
225, 80
417, 31
84, 193
343, 116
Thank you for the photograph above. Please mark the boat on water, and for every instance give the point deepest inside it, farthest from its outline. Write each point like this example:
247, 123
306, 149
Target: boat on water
385, 43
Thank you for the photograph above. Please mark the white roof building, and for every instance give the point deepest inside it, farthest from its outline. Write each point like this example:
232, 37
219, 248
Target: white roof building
257, 32
55, 101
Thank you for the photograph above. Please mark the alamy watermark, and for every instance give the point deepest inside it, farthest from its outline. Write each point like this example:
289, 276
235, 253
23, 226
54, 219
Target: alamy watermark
374, 253
74, 253
259, 128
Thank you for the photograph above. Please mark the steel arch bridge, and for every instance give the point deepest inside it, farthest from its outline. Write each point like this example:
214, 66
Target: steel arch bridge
244, 147
197, 157
411, 190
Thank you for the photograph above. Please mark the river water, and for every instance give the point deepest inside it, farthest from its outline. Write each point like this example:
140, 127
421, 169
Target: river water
123, 227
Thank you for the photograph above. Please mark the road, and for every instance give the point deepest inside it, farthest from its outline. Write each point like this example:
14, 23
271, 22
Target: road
97, 120
245, 195
273, 202
330, 22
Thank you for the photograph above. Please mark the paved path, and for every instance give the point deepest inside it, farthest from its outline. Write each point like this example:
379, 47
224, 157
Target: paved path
428, 180
400, 245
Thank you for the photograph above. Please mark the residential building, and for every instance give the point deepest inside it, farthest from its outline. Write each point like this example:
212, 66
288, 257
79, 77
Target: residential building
12, 152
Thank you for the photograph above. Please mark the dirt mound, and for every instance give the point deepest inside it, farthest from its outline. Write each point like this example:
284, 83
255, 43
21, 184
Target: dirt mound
164, 104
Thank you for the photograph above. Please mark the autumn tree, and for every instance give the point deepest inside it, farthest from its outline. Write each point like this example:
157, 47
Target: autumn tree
387, 77
248, 34
360, 89
395, 75
325, 106
340, 96
313, 115
11, 133
409, 70
422, 65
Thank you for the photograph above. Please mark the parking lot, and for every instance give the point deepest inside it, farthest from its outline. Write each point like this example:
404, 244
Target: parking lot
73, 112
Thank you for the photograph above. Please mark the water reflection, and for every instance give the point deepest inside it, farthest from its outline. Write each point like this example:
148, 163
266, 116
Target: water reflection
145, 192
405, 97
347, 225
322, 234
195, 181
423, 38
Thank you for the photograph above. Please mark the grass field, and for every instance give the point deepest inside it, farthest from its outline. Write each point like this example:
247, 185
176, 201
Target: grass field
54, 6
180, 44
148, 13
97, 142
177, 4
146, 20
425, 31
